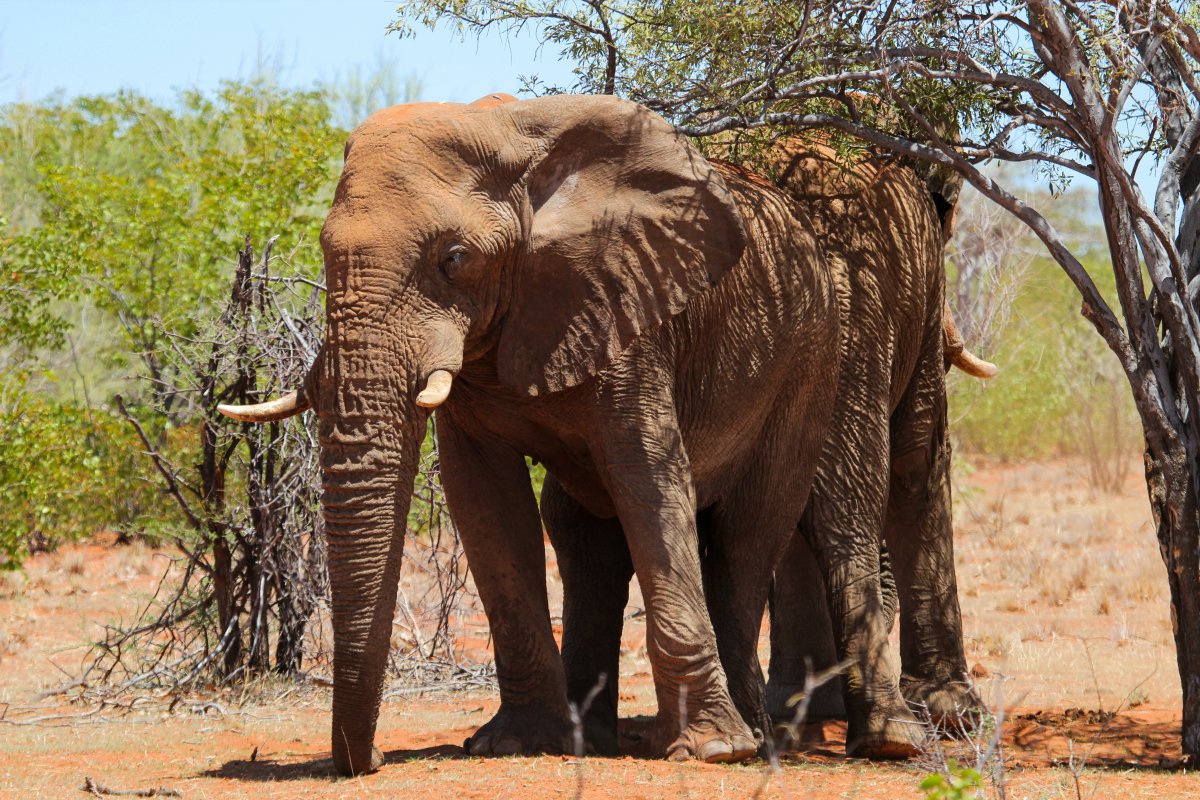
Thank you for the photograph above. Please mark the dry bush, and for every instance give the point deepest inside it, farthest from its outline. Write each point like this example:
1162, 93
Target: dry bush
74, 564
12, 583
1104, 427
247, 596
969, 749
987, 260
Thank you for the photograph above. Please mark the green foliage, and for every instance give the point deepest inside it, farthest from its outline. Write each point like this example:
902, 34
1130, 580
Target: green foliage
959, 782
1020, 413
126, 213
693, 60
66, 472
140, 205
1060, 391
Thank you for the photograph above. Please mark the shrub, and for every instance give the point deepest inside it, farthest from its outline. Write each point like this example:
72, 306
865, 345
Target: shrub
65, 472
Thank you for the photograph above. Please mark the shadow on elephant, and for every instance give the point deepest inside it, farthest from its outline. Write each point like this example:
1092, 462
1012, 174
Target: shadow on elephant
884, 472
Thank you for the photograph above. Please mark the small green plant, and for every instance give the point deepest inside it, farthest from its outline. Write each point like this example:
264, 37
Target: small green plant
958, 782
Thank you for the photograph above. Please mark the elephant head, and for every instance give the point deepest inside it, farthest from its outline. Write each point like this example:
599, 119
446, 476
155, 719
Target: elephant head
533, 239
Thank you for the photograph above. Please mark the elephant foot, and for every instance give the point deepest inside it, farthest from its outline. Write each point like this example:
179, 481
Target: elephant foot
600, 737
715, 743
348, 768
886, 737
952, 706
521, 731
826, 702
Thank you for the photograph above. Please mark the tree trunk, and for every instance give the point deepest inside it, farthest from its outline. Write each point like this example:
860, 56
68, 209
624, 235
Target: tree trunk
1173, 504
230, 631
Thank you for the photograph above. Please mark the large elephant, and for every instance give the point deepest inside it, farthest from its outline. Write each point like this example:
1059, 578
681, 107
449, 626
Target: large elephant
884, 467
564, 278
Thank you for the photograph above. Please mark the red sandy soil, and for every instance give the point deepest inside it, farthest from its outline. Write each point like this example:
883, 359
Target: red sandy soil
1067, 628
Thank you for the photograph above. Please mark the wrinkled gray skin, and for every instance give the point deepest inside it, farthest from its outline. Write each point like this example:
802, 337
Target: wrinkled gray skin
884, 468
660, 333
802, 635
917, 521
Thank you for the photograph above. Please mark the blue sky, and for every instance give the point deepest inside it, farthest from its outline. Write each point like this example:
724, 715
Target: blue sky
158, 46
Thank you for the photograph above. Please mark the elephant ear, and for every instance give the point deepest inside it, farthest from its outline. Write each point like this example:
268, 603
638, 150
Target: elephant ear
628, 222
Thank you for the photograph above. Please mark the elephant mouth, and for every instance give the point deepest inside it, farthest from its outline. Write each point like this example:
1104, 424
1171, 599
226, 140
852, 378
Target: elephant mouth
435, 391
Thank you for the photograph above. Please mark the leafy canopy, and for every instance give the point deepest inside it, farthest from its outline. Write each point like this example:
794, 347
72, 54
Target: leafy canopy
692, 60
128, 212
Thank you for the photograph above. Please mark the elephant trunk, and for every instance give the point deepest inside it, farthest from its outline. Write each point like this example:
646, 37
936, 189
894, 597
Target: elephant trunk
371, 429
371, 435
364, 523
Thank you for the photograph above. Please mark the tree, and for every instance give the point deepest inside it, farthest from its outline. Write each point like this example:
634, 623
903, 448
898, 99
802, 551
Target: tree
253, 555
1094, 89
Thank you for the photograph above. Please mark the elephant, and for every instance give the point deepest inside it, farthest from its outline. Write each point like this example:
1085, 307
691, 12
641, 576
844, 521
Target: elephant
932, 658
884, 469
564, 278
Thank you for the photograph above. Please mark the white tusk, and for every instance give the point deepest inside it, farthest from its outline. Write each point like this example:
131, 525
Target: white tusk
975, 366
437, 389
287, 406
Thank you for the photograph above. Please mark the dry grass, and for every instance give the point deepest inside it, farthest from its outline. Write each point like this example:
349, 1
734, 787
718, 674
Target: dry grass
12, 584
1056, 573
74, 563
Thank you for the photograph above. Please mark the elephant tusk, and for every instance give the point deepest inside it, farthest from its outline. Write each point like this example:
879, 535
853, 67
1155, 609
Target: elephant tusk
437, 389
956, 351
973, 365
281, 408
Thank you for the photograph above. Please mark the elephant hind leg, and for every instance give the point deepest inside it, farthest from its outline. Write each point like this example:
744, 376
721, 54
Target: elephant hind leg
920, 537
801, 638
846, 541
745, 541
748, 534
594, 562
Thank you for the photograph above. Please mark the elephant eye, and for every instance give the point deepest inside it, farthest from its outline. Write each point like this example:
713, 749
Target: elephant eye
455, 255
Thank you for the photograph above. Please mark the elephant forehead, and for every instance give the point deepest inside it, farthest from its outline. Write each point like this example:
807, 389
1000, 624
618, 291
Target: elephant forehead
460, 147
391, 224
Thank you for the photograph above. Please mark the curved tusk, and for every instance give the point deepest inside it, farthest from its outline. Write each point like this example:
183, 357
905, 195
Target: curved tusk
281, 408
957, 353
437, 389
973, 365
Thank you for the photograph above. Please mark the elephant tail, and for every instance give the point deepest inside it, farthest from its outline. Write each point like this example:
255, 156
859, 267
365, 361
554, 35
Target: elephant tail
957, 354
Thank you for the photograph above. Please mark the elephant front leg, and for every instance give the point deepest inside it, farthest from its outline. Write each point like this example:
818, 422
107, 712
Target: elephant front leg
594, 562
650, 483
489, 494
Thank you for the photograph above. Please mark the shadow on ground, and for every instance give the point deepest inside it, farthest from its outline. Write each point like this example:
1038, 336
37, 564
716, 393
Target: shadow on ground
267, 769
1032, 738
1038, 738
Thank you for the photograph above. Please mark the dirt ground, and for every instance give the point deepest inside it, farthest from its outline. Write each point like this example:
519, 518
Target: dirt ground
1068, 634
